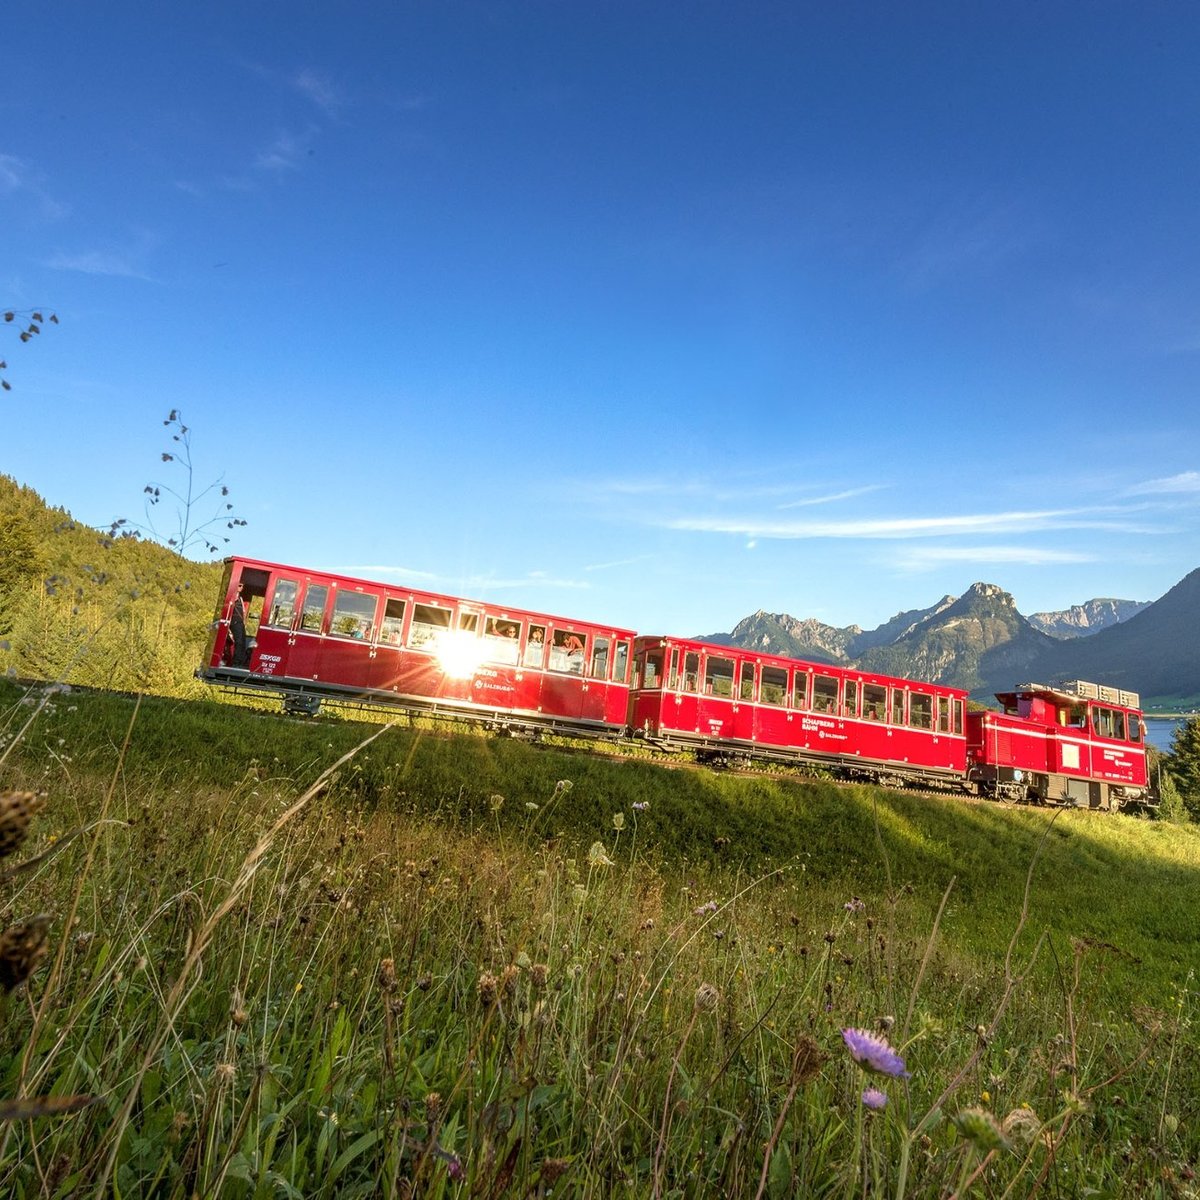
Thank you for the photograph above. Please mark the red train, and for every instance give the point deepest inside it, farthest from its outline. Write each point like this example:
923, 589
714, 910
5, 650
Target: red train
310, 637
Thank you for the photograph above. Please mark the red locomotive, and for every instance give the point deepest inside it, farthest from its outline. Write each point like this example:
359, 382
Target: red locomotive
311, 636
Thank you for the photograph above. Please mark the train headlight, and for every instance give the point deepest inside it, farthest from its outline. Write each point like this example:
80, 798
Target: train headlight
459, 653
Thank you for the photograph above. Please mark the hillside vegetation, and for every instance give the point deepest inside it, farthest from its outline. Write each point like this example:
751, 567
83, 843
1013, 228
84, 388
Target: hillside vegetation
281, 959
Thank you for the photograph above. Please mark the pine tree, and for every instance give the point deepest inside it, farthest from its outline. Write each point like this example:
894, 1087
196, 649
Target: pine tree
1184, 764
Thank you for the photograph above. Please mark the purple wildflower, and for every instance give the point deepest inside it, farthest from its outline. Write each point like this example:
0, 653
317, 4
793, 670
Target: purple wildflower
853, 905
874, 1099
454, 1164
704, 909
873, 1053
641, 805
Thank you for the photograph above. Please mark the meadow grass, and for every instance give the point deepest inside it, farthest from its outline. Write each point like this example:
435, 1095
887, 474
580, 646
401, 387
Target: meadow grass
286, 959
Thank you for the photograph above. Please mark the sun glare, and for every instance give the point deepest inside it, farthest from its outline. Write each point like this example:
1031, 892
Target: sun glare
460, 653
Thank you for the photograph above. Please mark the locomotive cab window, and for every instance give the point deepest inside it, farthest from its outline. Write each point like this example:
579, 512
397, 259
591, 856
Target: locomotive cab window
314, 607
393, 623
773, 688
621, 663
1135, 729
718, 676
428, 623
283, 604
354, 615
652, 668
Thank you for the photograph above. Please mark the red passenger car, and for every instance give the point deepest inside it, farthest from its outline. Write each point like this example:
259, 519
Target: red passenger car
724, 701
1081, 744
313, 636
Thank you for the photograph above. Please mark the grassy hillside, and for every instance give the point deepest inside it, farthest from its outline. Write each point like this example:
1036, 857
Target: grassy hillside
468, 966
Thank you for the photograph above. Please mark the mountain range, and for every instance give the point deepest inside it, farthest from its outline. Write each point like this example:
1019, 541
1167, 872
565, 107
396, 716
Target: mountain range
980, 642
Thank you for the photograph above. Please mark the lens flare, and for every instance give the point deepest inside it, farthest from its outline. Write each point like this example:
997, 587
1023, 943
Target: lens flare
460, 653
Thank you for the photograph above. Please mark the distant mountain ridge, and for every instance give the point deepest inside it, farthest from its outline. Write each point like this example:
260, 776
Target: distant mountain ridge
1083, 620
980, 642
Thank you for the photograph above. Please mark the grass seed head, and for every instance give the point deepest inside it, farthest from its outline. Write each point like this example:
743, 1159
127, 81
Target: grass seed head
22, 948
16, 809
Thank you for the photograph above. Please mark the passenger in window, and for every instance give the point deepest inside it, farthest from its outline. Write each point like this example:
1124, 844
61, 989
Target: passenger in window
535, 648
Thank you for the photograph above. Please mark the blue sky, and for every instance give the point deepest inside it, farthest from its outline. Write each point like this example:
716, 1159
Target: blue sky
658, 314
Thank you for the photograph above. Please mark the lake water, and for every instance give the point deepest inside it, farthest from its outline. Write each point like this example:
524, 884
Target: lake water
1160, 731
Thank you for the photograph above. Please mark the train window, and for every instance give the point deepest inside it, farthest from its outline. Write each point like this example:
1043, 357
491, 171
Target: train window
502, 639
652, 669
566, 652
314, 607
1135, 728
691, 671
354, 615
800, 690
621, 663
535, 647
283, 604
874, 702
673, 677
1102, 719
718, 676
1078, 716
920, 711
429, 622
773, 688
851, 698
825, 693
468, 622
746, 690
600, 657
960, 723
897, 706
943, 711
1118, 725
393, 622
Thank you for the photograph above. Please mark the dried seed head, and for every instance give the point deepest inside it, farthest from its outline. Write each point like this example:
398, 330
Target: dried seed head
553, 1169
22, 947
539, 975
433, 1107
224, 1074
16, 809
387, 975
487, 987
508, 980
807, 1060
707, 998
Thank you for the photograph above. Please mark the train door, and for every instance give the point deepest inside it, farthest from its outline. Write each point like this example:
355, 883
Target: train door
594, 693
743, 708
308, 631
563, 683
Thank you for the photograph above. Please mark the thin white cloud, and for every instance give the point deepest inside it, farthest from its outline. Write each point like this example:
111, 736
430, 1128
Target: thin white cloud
97, 262
1113, 520
485, 583
1185, 482
286, 152
922, 558
834, 497
378, 569
18, 178
320, 90
620, 562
